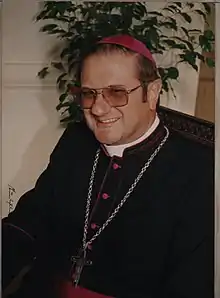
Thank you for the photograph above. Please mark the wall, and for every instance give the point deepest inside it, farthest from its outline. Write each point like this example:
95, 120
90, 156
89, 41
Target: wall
205, 101
30, 124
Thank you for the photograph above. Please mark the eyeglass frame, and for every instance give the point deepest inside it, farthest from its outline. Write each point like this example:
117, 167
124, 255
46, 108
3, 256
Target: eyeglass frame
128, 91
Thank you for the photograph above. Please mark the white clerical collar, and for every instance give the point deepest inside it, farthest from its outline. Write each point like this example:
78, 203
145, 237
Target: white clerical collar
119, 149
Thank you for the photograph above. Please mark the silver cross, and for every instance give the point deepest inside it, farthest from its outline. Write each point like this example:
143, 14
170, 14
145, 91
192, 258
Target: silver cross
78, 263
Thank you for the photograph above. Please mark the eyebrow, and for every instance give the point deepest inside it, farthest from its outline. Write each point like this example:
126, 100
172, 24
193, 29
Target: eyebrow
116, 85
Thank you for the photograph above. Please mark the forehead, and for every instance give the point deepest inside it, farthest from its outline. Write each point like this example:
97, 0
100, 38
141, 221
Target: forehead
105, 69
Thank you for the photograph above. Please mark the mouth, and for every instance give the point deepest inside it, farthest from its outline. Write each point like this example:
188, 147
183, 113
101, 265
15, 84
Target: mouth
107, 122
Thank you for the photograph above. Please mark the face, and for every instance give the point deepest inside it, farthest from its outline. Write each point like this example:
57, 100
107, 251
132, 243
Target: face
118, 125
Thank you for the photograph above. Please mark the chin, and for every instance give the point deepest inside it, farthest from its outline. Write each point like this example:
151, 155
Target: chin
107, 140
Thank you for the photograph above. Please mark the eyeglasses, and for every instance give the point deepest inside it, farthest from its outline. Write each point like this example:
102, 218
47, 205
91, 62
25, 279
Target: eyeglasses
115, 96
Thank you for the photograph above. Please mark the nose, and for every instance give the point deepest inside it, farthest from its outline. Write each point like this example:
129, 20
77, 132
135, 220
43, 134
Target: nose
100, 106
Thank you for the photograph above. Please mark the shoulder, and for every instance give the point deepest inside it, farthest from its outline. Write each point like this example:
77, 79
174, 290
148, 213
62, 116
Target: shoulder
196, 164
77, 132
191, 154
76, 139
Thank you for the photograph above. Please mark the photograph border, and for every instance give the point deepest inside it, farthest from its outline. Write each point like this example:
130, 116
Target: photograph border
217, 154
209, 134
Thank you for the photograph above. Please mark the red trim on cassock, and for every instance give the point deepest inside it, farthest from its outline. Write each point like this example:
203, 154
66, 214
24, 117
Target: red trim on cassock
68, 291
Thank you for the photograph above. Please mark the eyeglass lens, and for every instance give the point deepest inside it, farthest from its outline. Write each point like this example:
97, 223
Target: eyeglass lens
114, 96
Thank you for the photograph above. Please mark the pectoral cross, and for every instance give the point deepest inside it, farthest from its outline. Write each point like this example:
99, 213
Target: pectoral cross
78, 263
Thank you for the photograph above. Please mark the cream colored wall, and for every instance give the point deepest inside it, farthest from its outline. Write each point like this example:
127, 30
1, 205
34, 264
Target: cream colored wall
30, 121
185, 90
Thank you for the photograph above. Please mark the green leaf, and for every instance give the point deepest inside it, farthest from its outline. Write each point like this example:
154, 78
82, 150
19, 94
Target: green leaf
173, 21
180, 46
200, 56
194, 31
63, 6
190, 58
62, 84
207, 7
99, 19
173, 73
174, 8
179, 4
191, 5
161, 71
48, 27
71, 67
194, 66
60, 33
210, 62
64, 19
159, 14
140, 9
185, 31
168, 9
169, 25
63, 97
189, 44
60, 78
165, 86
186, 17
75, 114
169, 42
43, 73
65, 52
200, 12
62, 105
58, 65
156, 51
153, 21
76, 111
72, 87
153, 35
202, 40
209, 35
205, 43
160, 48
41, 15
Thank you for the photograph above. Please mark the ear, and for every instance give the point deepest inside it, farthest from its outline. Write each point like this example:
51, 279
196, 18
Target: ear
153, 92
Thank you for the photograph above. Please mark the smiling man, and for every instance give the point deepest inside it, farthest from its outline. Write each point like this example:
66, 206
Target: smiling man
125, 206
117, 113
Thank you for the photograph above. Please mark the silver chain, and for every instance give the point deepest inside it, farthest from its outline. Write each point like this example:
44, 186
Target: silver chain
92, 177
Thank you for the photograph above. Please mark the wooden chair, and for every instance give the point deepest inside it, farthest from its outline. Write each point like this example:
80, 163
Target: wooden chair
192, 127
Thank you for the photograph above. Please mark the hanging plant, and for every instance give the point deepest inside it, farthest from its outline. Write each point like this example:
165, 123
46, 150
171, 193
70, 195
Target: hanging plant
80, 24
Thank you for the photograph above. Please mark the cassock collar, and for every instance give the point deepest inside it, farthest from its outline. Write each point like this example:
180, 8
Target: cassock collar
119, 149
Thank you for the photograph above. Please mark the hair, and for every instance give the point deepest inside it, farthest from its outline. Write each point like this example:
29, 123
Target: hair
146, 70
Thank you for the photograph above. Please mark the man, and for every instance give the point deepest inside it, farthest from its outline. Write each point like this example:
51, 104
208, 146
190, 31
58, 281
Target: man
125, 207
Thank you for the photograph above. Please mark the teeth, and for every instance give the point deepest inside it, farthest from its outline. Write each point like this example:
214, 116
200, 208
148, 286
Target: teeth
108, 120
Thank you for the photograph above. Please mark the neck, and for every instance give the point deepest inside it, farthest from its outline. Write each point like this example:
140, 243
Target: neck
118, 150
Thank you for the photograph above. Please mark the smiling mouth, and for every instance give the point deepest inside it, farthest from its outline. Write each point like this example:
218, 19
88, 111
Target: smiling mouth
107, 121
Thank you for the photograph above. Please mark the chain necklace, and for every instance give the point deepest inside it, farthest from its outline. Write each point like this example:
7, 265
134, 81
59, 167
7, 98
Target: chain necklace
80, 261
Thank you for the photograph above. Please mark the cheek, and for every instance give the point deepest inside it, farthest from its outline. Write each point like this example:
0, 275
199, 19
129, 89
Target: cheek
89, 118
132, 112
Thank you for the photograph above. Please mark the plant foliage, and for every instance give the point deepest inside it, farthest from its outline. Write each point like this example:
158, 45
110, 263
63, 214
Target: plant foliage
78, 24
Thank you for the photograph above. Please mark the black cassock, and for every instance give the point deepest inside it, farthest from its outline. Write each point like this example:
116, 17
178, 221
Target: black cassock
159, 245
